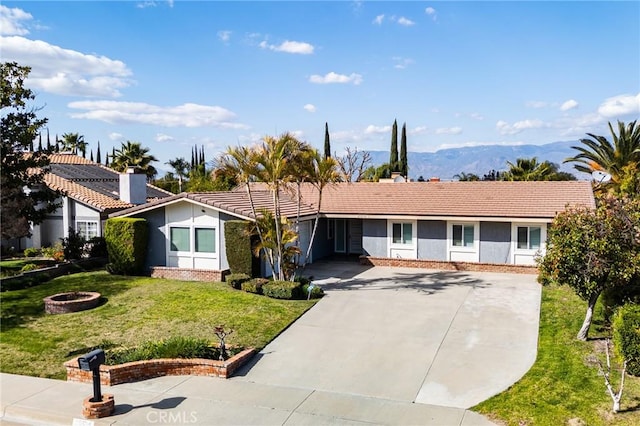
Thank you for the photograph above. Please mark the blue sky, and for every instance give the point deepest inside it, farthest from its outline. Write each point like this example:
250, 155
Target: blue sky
174, 74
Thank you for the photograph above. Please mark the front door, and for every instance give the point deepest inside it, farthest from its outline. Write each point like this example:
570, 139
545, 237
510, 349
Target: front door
340, 241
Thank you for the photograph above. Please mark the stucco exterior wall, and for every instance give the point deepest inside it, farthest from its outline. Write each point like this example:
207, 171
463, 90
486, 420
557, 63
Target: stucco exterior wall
374, 237
495, 242
432, 239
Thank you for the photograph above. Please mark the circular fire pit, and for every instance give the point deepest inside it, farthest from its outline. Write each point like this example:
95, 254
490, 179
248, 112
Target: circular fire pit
63, 303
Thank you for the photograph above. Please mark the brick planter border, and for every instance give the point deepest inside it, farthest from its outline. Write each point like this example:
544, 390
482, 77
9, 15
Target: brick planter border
448, 266
142, 370
186, 274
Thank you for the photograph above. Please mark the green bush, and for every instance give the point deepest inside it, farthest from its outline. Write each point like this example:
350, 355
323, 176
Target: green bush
126, 240
73, 245
29, 267
174, 347
282, 290
238, 246
97, 247
614, 297
52, 252
254, 285
31, 252
316, 291
626, 336
236, 280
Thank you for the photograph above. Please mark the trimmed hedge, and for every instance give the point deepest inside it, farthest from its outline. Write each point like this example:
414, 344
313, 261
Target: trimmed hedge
626, 336
126, 240
282, 290
238, 246
316, 291
236, 280
254, 286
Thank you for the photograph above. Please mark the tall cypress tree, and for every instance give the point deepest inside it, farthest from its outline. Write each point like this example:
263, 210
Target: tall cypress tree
98, 156
202, 155
91, 156
393, 159
39, 141
404, 164
327, 143
48, 141
193, 159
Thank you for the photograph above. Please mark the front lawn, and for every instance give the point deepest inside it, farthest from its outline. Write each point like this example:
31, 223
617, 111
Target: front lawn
138, 309
14, 266
564, 383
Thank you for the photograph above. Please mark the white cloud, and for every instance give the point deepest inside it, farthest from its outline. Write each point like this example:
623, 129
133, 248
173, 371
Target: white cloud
620, 105
536, 104
224, 35
402, 63
296, 47
417, 130
333, 77
185, 115
449, 131
11, 21
567, 105
431, 12
116, 136
405, 22
161, 137
476, 116
371, 129
64, 71
310, 107
511, 129
378, 20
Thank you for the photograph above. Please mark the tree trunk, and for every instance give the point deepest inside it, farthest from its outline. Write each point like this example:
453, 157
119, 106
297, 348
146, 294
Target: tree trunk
584, 330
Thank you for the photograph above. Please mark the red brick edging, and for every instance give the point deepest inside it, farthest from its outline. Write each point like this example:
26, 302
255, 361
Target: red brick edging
448, 266
142, 370
186, 274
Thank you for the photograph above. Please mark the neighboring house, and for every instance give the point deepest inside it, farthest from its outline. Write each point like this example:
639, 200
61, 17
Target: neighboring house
89, 193
479, 222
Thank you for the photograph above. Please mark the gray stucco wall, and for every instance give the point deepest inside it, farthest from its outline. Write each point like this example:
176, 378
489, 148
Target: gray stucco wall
156, 247
432, 239
495, 242
374, 237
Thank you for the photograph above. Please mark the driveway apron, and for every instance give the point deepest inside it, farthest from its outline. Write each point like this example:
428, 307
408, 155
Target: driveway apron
434, 337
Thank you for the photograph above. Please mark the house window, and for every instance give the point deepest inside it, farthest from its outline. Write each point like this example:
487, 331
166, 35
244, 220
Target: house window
463, 235
179, 239
87, 229
529, 237
402, 233
205, 240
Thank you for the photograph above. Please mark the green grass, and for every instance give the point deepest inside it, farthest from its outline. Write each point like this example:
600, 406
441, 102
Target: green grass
13, 266
137, 310
564, 383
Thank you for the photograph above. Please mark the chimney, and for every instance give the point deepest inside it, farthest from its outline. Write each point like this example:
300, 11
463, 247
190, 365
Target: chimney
133, 186
434, 179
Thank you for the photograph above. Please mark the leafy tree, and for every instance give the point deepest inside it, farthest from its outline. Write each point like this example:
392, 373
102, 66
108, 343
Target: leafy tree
467, 177
132, 154
24, 197
374, 174
594, 250
619, 159
493, 176
327, 142
393, 157
74, 142
404, 162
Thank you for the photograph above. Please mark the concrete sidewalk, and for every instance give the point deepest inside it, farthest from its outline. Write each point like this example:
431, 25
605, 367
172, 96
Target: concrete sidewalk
180, 400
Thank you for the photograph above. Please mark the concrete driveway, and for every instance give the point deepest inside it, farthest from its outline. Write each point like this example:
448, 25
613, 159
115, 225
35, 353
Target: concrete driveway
441, 338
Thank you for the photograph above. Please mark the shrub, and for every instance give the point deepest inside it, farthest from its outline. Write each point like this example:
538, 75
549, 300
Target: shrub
236, 280
254, 285
29, 267
174, 347
31, 252
303, 280
316, 291
53, 251
626, 336
126, 240
73, 245
615, 297
282, 290
238, 246
96, 247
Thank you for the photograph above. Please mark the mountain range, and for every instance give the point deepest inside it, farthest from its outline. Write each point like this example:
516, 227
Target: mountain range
480, 160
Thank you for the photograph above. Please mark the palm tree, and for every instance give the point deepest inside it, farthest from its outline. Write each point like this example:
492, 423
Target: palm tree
467, 177
181, 167
74, 142
618, 159
132, 154
528, 169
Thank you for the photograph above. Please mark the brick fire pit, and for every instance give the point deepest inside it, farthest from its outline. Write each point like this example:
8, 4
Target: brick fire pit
63, 303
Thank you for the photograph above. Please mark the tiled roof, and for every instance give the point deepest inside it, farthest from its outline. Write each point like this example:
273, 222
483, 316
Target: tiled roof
536, 200
91, 183
470, 199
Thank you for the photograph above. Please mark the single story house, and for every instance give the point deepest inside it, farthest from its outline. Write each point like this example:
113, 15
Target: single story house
89, 193
497, 223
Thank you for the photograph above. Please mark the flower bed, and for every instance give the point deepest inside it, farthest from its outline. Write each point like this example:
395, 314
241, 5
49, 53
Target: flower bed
143, 370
